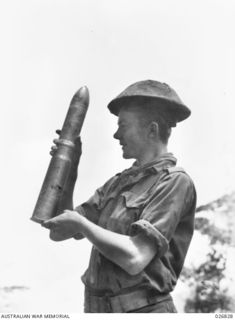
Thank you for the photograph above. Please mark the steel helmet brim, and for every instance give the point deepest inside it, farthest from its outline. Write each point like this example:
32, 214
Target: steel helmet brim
154, 93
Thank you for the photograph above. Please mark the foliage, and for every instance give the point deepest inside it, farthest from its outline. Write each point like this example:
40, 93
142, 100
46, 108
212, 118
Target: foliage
205, 280
216, 235
208, 297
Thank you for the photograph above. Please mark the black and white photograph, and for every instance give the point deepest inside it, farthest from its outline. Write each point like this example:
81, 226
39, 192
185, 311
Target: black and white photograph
118, 158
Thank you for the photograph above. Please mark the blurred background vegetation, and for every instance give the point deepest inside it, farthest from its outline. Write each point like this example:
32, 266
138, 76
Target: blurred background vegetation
208, 273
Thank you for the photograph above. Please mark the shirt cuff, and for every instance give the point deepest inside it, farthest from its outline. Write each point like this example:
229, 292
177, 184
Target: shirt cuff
144, 226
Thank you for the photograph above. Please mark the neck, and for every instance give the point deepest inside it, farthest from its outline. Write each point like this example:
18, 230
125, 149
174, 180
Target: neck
151, 155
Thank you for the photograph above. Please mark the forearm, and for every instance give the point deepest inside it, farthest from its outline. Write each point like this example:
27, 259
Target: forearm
116, 247
132, 254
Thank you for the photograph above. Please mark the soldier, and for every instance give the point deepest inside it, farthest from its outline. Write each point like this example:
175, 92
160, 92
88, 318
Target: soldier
140, 221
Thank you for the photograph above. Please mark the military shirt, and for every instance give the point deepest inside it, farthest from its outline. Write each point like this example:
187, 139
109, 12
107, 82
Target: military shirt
157, 199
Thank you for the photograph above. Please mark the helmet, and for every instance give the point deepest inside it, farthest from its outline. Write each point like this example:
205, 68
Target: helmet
158, 94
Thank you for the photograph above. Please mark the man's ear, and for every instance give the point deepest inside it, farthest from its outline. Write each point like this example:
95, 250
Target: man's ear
153, 130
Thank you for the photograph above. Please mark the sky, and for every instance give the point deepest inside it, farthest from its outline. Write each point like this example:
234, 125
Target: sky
49, 49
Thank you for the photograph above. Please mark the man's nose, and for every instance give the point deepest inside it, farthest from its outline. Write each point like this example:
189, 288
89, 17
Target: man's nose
116, 135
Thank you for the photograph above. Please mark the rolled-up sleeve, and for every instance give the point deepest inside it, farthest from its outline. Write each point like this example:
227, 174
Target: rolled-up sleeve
171, 203
151, 232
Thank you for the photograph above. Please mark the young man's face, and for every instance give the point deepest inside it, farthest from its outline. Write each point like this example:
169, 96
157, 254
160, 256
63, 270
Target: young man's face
130, 133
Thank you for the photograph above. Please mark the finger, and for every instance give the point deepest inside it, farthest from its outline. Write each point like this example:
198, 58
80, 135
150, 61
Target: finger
48, 224
56, 141
54, 148
56, 236
78, 236
52, 152
58, 131
67, 211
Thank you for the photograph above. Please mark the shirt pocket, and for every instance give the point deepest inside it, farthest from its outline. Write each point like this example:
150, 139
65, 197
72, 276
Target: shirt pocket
127, 210
133, 200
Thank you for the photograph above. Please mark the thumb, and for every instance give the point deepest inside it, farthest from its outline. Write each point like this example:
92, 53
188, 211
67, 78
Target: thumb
48, 224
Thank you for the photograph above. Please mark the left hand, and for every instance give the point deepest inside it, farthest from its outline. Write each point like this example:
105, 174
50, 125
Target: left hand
64, 226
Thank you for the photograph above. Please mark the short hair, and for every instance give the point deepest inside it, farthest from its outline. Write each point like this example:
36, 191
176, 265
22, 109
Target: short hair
150, 113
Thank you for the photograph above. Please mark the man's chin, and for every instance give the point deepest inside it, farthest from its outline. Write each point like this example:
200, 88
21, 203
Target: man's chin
126, 156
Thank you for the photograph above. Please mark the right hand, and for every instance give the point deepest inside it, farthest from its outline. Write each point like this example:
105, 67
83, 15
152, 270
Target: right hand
77, 151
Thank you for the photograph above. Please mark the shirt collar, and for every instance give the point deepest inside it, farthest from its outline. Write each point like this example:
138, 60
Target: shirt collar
162, 162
